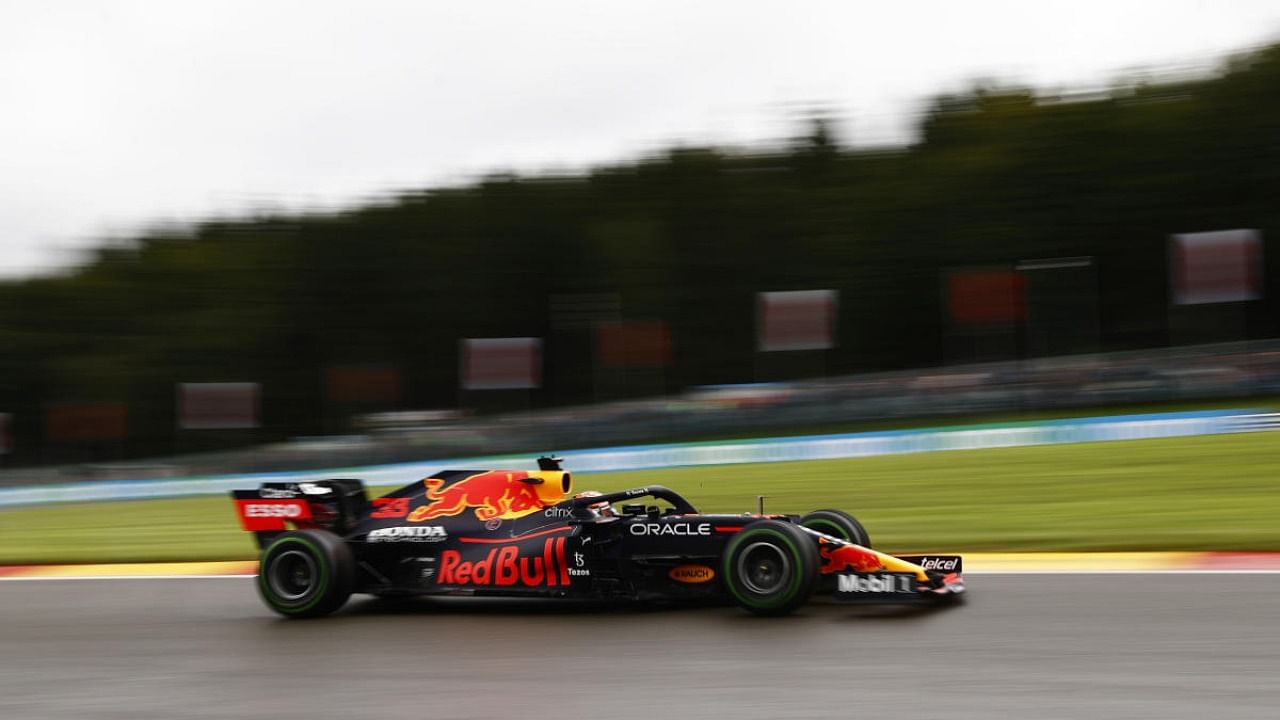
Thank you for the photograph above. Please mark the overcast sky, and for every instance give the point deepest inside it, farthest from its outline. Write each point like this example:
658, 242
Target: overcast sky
115, 115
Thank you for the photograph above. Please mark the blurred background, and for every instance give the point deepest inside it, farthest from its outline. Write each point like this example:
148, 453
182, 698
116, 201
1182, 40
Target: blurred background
519, 245
375, 240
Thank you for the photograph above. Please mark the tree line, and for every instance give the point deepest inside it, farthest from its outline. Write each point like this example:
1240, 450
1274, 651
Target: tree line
998, 175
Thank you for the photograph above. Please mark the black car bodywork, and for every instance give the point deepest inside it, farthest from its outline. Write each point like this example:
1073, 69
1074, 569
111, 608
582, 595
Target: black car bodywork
523, 533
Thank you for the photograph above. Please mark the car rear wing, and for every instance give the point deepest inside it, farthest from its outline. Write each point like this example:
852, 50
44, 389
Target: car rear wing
334, 505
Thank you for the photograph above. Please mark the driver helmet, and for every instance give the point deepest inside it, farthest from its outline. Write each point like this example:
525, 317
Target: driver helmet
600, 509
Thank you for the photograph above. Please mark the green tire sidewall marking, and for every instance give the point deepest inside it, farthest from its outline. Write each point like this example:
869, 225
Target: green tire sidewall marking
322, 585
769, 603
819, 523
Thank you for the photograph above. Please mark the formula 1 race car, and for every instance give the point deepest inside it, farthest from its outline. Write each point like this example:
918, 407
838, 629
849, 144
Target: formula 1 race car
525, 533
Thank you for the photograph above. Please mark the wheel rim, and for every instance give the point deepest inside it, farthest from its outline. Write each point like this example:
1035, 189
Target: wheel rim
764, 568
292, 575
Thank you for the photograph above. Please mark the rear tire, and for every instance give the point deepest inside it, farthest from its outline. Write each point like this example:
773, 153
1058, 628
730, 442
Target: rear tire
837, 523
771, 567
306, 573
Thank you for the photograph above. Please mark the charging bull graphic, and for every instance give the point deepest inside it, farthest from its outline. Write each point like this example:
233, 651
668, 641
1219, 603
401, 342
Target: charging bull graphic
838, 557
497, 494
843, 557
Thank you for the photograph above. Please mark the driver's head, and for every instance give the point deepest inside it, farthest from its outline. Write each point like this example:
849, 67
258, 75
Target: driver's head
600, 509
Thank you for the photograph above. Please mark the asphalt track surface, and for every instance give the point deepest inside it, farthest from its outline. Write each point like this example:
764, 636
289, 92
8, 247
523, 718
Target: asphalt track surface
1043, 646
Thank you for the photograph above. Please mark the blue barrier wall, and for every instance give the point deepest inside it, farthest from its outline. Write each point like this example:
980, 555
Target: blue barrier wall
649, 457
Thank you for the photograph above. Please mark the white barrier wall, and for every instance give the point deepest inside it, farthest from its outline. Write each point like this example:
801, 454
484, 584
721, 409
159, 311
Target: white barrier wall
649, 457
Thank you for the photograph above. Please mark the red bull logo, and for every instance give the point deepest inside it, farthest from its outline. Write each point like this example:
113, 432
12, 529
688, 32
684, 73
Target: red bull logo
493, 495
843, 557
507, 567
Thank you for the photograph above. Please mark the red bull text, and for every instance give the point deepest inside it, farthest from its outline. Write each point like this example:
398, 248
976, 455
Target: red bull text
508, 566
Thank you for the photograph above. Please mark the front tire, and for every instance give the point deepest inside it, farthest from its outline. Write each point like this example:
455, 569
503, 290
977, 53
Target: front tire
771, 567
840, 524
837, 523
306, 573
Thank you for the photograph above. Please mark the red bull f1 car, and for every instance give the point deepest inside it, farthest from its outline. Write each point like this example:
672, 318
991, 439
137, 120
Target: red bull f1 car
524, 533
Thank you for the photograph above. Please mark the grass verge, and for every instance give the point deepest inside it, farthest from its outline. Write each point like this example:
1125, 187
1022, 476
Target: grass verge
1198, 493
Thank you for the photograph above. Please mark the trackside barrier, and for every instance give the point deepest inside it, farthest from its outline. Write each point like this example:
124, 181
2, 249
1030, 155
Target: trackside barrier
649, 457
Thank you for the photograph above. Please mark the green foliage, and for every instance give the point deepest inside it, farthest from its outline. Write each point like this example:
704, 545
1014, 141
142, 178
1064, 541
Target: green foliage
999, 175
